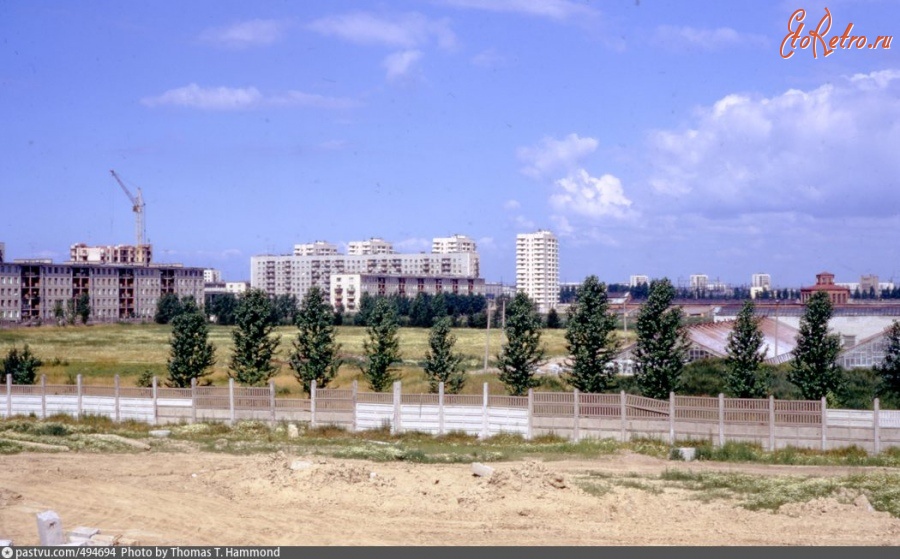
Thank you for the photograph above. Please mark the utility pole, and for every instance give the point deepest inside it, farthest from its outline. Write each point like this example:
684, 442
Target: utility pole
487, 337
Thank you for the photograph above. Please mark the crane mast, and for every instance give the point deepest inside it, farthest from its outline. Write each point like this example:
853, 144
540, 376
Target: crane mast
137, 206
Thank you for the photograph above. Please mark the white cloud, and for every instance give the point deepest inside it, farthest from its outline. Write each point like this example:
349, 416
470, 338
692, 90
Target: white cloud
414, 244
523, 222
582, 194
236, 98
553, 155
558, 10
405, 31
488, 59
257, 32
709, 39
511, 205
400, 64
827, 151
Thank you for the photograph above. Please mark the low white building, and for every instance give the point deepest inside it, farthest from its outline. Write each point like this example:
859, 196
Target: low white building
346, 290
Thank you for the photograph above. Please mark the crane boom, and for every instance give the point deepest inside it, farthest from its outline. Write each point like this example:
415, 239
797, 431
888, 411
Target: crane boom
137, 206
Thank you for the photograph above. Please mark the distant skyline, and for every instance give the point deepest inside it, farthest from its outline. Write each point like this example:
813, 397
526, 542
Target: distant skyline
653, 138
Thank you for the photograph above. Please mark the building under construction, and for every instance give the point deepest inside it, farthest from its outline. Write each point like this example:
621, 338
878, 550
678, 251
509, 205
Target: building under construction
111, 254
34, 290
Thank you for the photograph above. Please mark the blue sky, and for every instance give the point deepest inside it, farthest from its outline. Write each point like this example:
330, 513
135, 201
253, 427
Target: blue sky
657, 138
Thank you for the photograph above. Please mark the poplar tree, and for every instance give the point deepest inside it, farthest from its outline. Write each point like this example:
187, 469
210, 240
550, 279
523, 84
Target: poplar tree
591, 338
22, 365
745, 354
662, 345
814, 369
382, 348
441, 363
522, 353
191, 354
254, 344
315, 353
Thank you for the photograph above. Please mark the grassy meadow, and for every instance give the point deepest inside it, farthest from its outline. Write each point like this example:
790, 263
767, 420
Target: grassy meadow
98, 352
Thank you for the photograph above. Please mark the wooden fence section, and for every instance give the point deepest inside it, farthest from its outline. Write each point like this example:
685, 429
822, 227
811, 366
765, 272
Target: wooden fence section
769, 422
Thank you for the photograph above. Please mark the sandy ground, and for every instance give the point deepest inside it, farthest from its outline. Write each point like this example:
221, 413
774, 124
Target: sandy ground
203, 498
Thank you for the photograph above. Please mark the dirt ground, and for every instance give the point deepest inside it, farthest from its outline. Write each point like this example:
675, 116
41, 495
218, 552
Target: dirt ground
197, 498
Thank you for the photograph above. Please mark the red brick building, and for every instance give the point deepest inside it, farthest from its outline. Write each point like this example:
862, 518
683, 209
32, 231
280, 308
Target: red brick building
825, 282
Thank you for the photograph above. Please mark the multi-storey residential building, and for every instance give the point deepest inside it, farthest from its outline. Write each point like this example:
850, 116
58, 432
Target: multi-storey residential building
372, 246
111, 254
869, 284
237, 287
537, 268
699, 282
449, 245
762, 281
211, 275
295, 274
635, 281
318, 248
347, 289
32, 290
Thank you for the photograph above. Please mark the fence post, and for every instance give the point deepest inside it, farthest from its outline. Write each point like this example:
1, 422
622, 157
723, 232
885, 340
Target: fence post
155, 385
721, 419
231, 401
622, 410
876, 425
529, 434
43, 396
576, 432
8, 396
193, 400
355, 398
79, 399
824, 423
312, 403
484, 412
116, 398
672, 418
440, 408
272, 401
771, 423
396, 424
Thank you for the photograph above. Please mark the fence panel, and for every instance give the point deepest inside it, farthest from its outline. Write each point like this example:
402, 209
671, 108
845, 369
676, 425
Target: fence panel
420, 417
746, 411
334, 400
508, 420
508, 401
213, 397
798, 412
373, 416
252, 398
468, 419
695, 408
603, 406
639, 407
463, 400
554, 404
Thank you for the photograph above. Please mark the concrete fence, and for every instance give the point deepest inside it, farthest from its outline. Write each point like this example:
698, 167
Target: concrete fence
771, 423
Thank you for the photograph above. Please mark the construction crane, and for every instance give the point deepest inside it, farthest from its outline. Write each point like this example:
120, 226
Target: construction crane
137, 206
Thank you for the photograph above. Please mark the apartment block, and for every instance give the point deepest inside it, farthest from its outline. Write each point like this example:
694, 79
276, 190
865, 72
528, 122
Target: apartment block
762, 281
32, 290
346, 290
537, 268
295, 274
211, 275
635, 281
449, 245
699, 282
318, 248
111, 254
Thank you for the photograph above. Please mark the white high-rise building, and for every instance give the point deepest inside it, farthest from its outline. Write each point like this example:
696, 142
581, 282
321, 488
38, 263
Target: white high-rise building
318, 248
699, 282
635, 281
449, 245
537, 268
372, 246
762, 281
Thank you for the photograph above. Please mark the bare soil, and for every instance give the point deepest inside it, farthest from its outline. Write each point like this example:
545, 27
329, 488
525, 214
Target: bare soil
200, 498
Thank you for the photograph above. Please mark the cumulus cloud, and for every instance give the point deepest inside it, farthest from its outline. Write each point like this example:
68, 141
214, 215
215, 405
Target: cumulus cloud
552, 155
511, 205
257, 32
826, 151
558, 10
708, 39
401, 64
236, 98
405, 31
593, 197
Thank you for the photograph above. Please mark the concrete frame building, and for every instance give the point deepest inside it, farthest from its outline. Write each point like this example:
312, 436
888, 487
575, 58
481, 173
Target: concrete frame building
317, 248
346, 290
699, 282
30, 290
295, 274
111, 254
211, 275
449, 245
537, 268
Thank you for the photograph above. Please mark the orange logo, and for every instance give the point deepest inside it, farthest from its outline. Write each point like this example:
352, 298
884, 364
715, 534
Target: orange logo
816, 38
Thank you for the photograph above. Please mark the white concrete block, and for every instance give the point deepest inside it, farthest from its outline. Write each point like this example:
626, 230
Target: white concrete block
688, 453
293, 431
300, 465
480, 470
160, 433
50, 531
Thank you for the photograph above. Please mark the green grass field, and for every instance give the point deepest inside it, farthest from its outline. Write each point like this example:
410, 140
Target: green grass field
98, 352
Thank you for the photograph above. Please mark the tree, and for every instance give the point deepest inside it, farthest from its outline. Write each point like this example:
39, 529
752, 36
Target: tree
83, 307
814, 369
254, 346
591, 338
441, 364
662, 345
59, 312
220, 307
22, 366
553, 322
382, 348
522, 353
745, 355
315, 353
167, 308
191, 355
284, 309
889, 369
